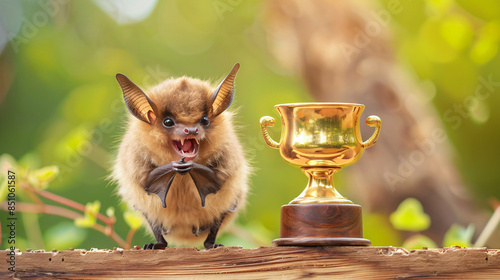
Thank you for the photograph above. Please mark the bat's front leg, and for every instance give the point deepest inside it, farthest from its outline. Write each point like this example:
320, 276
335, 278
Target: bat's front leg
161, 243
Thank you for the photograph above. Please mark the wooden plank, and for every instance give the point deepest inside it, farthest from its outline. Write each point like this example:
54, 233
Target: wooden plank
260, 263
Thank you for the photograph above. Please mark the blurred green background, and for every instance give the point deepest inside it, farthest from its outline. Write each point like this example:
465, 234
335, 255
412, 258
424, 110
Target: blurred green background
61, 105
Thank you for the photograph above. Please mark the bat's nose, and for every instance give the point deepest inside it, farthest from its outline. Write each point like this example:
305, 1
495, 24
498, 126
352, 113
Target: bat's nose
191, 130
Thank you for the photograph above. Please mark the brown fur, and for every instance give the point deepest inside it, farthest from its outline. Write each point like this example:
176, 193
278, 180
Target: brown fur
147, 145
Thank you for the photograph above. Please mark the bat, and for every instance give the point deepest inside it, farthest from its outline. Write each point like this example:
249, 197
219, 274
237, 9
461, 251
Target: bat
180, 163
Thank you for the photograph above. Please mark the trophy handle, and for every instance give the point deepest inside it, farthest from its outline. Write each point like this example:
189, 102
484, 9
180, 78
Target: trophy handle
377, 123
264, 123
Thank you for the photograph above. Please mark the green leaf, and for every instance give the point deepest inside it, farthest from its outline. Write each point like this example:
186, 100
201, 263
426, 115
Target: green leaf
133, 219
418, 242
410, 216
459, 236
86, 222
92, 208
64, 236
45, 175
483, 51
89, 217
457, 31
486, 46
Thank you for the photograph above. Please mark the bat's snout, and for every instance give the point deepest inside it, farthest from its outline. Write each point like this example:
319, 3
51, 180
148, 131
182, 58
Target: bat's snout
191, 130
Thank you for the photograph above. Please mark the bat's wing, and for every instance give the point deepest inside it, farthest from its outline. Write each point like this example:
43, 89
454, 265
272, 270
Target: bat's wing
160, 179
205, 180
159, 187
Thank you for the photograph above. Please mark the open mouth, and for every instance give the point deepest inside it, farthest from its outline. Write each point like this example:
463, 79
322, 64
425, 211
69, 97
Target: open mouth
187, 148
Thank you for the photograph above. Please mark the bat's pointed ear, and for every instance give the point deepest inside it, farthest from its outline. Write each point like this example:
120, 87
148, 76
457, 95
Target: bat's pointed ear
222, 96
138, 103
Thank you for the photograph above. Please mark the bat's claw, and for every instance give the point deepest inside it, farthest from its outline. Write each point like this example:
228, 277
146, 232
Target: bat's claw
153, 246
209, 245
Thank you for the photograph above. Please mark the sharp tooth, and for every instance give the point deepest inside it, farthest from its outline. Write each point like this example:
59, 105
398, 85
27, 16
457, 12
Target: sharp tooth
182, 141
197, 141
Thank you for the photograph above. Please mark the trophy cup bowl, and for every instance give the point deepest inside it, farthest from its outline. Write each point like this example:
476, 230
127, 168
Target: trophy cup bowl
321, 138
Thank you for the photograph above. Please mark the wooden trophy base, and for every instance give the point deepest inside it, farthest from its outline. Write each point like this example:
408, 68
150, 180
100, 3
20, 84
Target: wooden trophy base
321, 225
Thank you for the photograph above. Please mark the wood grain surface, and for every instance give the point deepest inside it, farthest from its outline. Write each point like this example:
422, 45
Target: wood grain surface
261, 263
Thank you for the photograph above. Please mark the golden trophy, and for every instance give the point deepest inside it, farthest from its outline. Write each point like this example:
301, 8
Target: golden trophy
321, 138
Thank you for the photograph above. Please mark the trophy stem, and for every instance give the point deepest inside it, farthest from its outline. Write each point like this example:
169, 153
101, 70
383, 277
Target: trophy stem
320, 188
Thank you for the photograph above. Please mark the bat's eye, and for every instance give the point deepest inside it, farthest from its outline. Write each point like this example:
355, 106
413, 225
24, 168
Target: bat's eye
205, 121
168, 122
